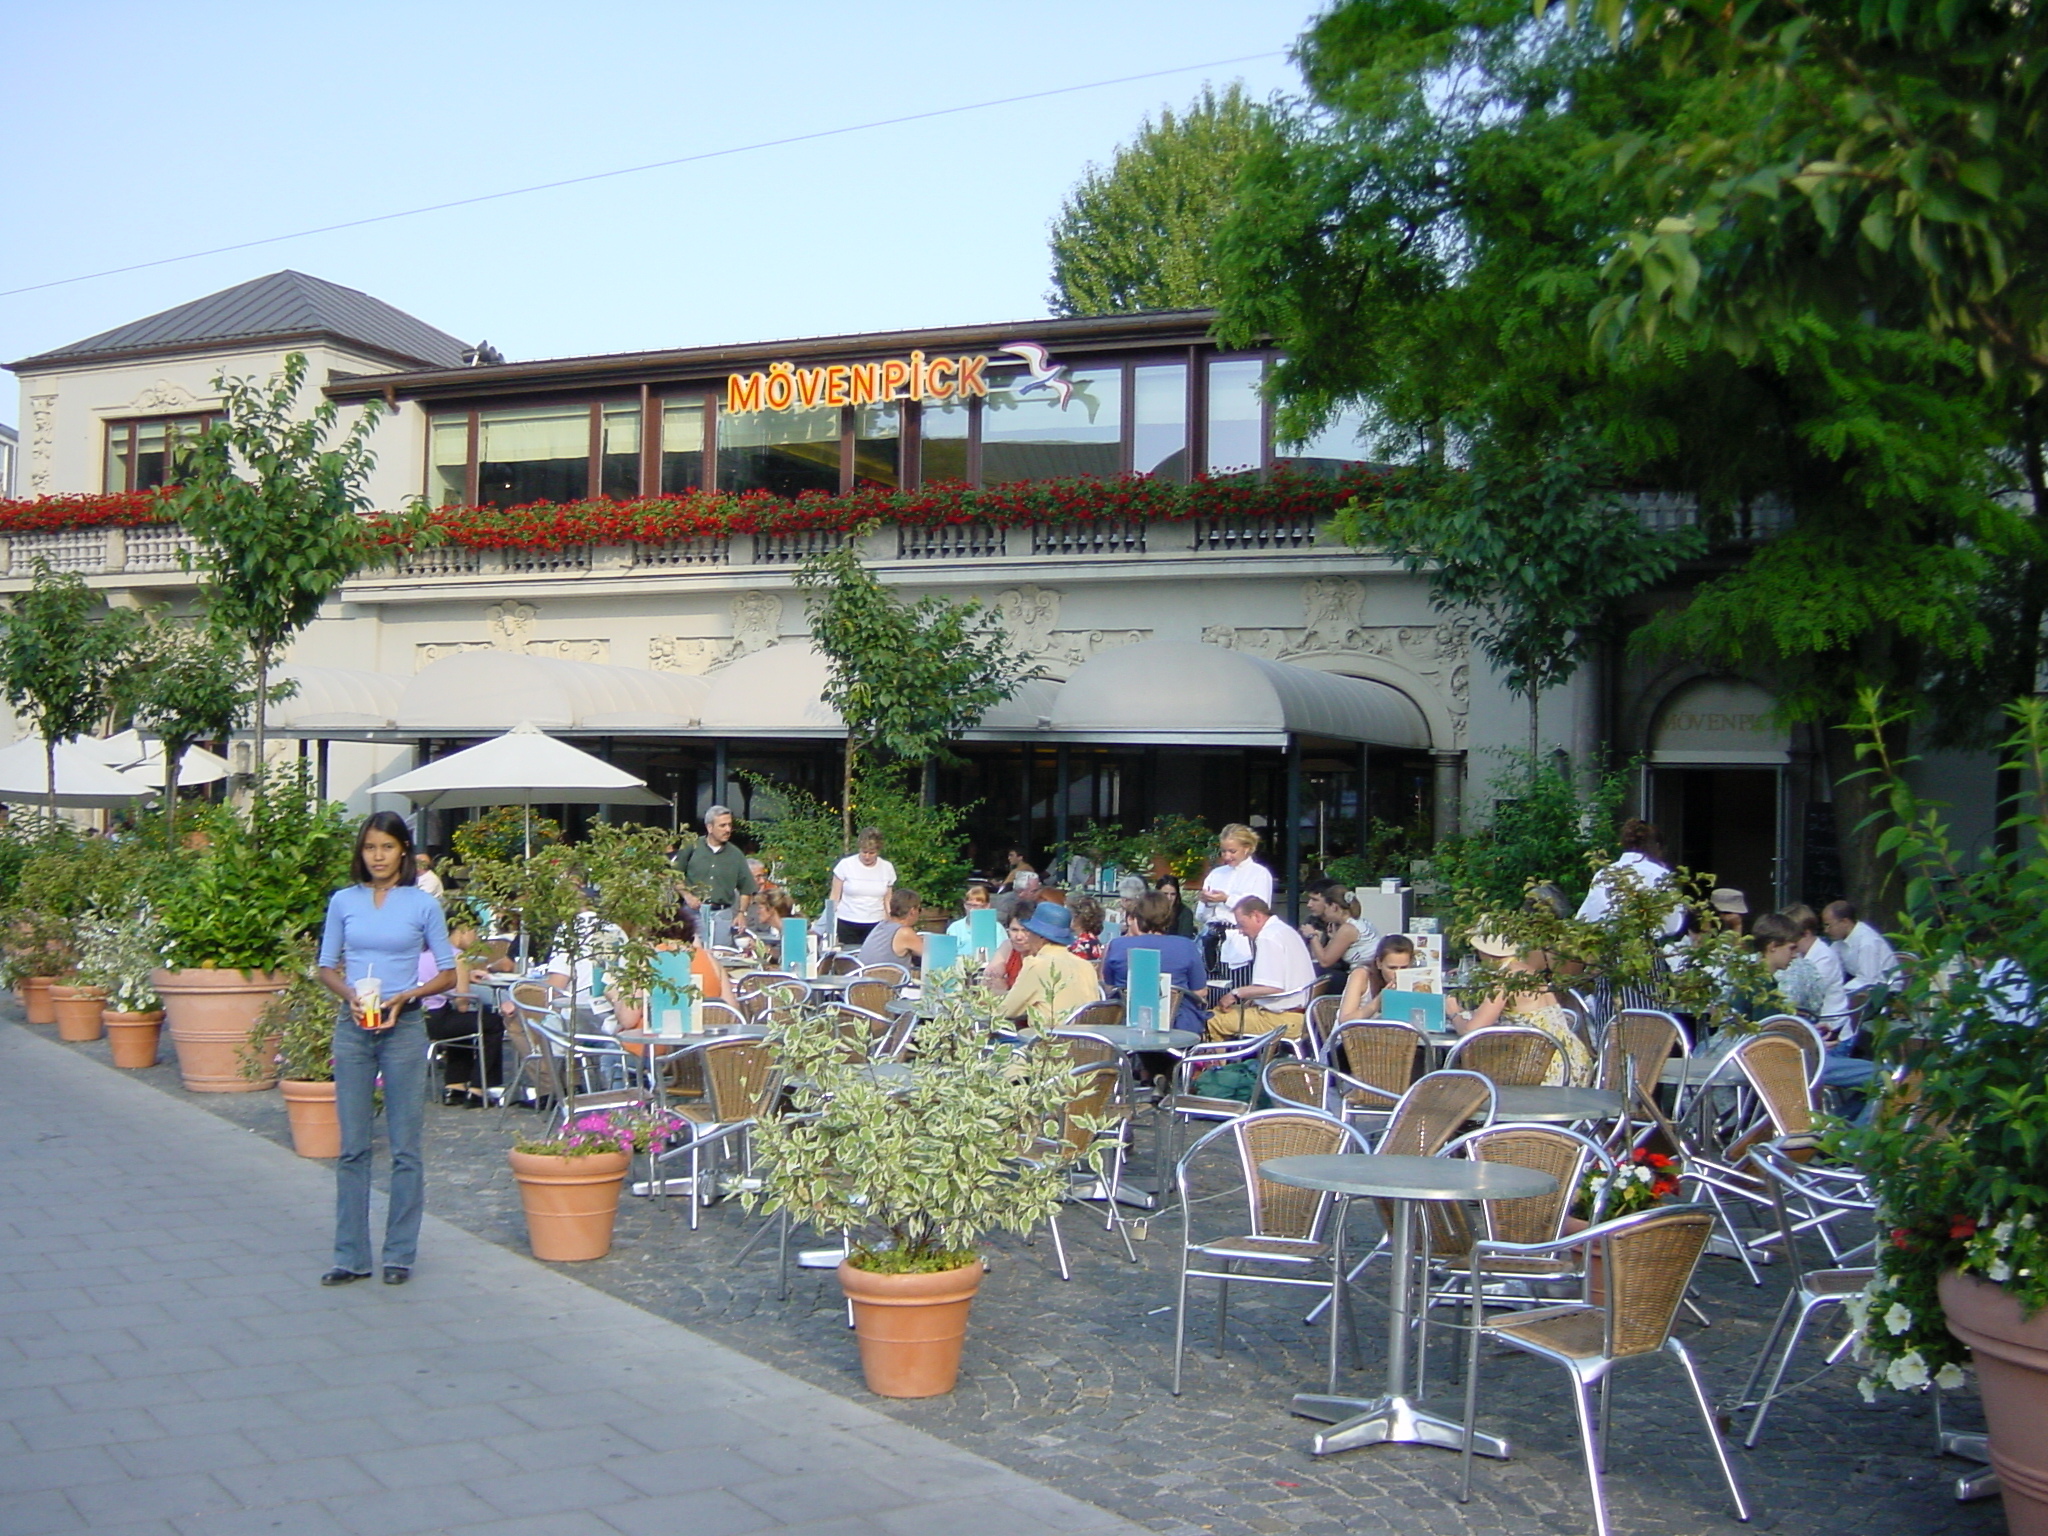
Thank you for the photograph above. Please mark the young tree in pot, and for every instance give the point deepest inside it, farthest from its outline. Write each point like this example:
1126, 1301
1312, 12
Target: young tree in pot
918, 1172
293, 1046
253, 889
120, 952
192, 684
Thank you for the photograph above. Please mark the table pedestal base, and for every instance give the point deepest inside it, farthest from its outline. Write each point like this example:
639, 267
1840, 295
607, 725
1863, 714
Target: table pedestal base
1357, 1421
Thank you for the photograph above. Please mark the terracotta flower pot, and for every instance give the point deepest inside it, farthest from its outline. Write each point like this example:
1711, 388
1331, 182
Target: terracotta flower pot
2010, 1353
132, 1038
78, 1011
911, 1327
571, 1202
35, 997
316, 1125
211, 1013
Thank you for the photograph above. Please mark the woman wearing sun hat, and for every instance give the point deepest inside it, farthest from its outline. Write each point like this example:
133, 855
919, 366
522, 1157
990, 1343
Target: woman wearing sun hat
1539, 1008
1053, 981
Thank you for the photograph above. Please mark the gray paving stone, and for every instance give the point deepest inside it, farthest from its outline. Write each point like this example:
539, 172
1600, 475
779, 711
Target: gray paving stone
398, 1513
701, 1512
417, 1466
118, 1426
794, 1500
261, 1486
551, 1490
135, 1499
44, 1513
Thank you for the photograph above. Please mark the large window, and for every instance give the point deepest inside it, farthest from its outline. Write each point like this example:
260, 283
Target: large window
785, 452
682, 446
1027, 434
1159, 420
541, 455
1237, 415
878, 446
448, 460
618, 451
1338, 445
139, 452
942, 441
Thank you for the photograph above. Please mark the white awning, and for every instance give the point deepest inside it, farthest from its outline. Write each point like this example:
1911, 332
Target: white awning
1169, 692
479, 692
775, 691
336, 698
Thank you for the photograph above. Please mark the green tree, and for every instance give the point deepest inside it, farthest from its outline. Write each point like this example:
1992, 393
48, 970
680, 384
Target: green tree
905, 677
62, 655
1139, 234
1428, 236
192, 683
274, 501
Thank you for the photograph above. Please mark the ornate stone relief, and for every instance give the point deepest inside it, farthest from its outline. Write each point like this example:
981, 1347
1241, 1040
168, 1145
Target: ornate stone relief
1031, 615
756, 625
164, 395
1334, 627
510, 628
42, 437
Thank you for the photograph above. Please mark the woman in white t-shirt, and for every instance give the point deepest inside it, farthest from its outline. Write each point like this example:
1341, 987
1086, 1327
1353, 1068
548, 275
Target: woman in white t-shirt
1238, 876
861, 883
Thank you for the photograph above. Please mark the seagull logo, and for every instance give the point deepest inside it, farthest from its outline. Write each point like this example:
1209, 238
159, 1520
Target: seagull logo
1045, 373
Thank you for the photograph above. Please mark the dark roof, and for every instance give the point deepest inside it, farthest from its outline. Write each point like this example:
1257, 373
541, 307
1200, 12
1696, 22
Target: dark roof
283, 306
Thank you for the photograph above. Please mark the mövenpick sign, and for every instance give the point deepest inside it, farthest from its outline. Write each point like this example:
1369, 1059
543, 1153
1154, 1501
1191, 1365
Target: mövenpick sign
786, 387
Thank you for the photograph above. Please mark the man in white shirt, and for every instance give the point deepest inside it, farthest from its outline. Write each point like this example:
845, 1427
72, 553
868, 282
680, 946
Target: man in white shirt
1815, 979
1867, 956
1283, 974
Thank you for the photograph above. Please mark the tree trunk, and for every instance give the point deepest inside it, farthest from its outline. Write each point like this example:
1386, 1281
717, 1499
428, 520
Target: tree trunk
173, 751
1535, 718
1872, 878
846, 798
50, 776
262, 708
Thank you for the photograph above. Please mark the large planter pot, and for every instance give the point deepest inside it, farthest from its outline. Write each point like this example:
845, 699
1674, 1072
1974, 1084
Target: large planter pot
78, 1011
571, 1202
211, 1013
2010, 1352
132, 1037
911, 1327
316, 1126
35, 997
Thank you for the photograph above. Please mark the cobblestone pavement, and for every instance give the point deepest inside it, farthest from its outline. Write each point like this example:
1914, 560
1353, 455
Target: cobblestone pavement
1068, 1383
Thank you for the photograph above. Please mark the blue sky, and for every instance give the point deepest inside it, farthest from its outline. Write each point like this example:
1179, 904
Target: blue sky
141, 131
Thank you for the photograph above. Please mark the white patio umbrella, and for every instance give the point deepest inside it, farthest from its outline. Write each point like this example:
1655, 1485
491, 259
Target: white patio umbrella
524, 767
130, 751
83, 782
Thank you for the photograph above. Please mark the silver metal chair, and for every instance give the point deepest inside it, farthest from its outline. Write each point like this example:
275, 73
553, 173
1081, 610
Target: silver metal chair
1182, 1103
744, 1083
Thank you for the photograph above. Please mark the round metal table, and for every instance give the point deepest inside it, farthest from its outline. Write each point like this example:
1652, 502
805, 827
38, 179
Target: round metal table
1128, 1040
1555, 1106
1402, 1181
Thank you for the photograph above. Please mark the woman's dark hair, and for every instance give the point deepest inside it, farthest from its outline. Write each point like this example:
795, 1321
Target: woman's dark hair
1389, 945
1153, 912
1086, 913
678, 927
1638, 836
393, 825
1172, 881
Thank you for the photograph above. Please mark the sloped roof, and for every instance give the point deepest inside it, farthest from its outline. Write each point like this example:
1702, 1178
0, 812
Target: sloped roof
284, 305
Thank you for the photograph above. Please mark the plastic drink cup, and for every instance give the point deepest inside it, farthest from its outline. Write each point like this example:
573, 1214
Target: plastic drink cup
370, 1003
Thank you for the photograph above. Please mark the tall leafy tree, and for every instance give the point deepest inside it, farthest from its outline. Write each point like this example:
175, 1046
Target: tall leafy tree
273, 498
905, 677
1428, 235
1138, 234
62, 655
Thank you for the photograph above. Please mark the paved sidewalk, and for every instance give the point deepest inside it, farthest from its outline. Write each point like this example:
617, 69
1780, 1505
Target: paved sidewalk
168, 1363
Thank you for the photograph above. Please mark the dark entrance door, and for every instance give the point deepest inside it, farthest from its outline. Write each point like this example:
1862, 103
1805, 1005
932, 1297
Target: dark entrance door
1722, 821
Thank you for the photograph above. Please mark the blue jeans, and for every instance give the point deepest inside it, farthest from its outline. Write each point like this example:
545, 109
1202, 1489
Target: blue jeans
399, 1055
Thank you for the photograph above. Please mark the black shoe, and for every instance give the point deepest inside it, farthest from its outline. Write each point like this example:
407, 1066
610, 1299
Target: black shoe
343, 1276
396, 1274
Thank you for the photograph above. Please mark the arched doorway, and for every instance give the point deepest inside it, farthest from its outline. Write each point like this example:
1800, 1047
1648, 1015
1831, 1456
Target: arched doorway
1717, 785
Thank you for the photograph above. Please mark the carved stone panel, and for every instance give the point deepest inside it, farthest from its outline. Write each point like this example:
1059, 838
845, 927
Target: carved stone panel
756, 625
1031, 615
509, 627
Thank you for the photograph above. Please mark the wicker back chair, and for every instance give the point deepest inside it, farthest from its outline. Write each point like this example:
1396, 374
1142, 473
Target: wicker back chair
845, 963
1298, 1084
1086, 1050
1801, 1034
1380, 1053
743, 1083
1640, 1041
1183, 1100
1096, 1116
860, 1031
1283, 1242
1649, 1259
1437, 1108
1506, 1056
534, 1062
1776, 1068
1321, 1023
870, 994
1102, 1014
886, 971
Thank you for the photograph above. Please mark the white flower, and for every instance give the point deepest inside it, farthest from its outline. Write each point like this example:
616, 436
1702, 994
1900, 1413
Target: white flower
1644, 1176
1998, 1271
1949, 1377
1898, 1318
1868, 1387
1858, 1308
2027, 1221
1907, 1372
2002, 1233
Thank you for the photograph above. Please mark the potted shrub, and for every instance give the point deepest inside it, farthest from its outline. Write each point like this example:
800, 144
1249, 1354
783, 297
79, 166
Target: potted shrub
251, 889
66, 878
569, 1183
1955, 1153
119, 954
917, 1172
38, 952
293, 1046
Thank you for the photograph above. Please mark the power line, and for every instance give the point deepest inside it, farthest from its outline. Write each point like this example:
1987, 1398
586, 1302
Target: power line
635, 170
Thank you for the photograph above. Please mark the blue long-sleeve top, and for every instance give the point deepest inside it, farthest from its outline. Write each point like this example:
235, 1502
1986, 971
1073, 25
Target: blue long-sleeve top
364, 939
1180, 962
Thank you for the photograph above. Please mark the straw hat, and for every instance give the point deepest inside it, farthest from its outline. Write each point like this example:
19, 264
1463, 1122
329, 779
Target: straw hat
1493, 946
1728, 899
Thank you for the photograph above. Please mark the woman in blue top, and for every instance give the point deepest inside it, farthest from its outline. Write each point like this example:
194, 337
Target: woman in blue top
379, 926
1180, 960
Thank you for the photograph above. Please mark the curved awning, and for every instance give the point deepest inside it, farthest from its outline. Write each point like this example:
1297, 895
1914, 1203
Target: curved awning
775, 691
479, 692
1166, 692
1026, 710
335, 698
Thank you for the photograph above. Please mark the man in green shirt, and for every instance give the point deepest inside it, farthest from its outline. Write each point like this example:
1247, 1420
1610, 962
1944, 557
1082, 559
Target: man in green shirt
718, 871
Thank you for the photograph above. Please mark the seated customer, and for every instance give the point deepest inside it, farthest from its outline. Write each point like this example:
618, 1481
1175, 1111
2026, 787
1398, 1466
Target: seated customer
1180, 960
1086, 914
1867, 957
979, 896
1052, 981
1283, 974
1537, 1008
1778, 937
1361, 1000
895, 940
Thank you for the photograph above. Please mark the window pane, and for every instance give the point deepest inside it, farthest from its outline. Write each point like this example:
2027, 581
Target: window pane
786, 452
619, 461
117, 459
878, 445
1159, 435
1330, 450
1236, 415
152, 454
541, 455
682, 446
942, 441
1030, 436
448, 466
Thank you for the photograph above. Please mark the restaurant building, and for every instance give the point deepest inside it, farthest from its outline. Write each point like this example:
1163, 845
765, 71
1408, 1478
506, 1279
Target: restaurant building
620, 535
